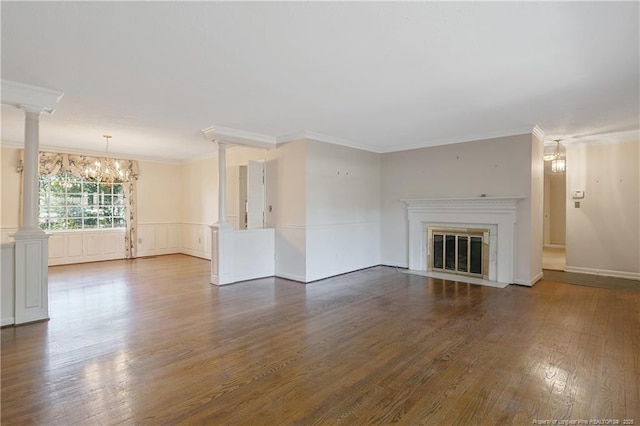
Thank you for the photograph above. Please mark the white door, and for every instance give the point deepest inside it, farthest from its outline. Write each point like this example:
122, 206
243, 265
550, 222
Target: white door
255, 194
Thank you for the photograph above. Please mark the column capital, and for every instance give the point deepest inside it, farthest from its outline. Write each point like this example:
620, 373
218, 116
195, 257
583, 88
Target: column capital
31, 111
30, 98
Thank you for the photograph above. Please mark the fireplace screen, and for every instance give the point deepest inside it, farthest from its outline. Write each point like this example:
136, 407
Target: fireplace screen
460, 251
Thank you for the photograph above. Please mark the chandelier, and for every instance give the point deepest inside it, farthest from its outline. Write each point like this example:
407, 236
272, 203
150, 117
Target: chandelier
558, 164
106, 170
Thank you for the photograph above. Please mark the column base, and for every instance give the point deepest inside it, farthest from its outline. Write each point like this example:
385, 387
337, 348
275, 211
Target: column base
31, 276
222, 254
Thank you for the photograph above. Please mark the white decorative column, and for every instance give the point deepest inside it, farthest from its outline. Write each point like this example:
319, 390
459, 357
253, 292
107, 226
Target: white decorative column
222, 233
31, 243
31, 256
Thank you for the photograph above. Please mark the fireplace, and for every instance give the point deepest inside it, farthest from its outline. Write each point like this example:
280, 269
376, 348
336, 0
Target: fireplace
462, 251
493, 218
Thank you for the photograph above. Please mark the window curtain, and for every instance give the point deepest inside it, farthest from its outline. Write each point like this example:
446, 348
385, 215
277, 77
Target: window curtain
51, 163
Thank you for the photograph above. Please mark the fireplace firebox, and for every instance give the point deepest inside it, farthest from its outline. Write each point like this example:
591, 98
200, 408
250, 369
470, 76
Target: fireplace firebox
463, 251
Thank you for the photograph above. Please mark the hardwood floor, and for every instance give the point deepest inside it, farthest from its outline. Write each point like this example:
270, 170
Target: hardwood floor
150, 341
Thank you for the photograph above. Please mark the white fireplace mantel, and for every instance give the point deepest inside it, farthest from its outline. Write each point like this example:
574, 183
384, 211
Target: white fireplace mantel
498, 214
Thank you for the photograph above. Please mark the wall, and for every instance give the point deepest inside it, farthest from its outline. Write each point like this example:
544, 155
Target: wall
555, 208
495, 167
285, 178
7, 284
602, 235
532, 272
10, 187
342, 210
236, 157
159, 206
199, 206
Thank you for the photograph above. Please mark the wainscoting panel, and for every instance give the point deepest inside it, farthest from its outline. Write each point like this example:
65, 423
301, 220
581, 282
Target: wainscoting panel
56, 246
158, 238
290, 252
340, 248
73, 244
195, 240
5, 235
94, 244
69, 247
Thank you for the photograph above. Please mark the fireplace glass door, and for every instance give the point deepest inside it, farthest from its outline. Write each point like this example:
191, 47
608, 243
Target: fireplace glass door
457, 252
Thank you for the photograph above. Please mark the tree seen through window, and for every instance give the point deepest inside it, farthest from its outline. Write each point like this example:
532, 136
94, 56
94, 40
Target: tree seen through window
70, 202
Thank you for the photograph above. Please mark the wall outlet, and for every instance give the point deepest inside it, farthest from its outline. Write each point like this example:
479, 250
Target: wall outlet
139, 240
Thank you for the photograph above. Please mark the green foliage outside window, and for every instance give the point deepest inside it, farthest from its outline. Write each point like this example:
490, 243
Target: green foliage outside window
69, 202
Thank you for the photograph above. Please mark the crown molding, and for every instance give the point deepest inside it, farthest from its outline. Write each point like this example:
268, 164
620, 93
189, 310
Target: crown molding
537, 131
320, 137
239, 137
114, 154
468, 138
30, 98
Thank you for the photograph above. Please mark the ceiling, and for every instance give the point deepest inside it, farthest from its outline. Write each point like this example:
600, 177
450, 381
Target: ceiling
381, 76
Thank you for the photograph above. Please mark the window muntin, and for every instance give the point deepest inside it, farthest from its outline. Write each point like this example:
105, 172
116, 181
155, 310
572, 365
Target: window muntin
70, 202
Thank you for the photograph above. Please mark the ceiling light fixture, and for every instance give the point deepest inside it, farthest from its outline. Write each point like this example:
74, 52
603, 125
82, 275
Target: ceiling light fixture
558, 165
105, 170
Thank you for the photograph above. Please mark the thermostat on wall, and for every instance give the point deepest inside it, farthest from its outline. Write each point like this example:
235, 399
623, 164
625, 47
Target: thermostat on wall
577, 195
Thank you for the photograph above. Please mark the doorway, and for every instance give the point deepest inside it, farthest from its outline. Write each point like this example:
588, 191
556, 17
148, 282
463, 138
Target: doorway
555, 213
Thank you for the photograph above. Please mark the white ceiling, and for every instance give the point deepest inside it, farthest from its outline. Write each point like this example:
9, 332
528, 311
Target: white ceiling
374, 75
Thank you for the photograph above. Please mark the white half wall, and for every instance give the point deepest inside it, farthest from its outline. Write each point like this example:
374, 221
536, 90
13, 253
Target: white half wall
254, 251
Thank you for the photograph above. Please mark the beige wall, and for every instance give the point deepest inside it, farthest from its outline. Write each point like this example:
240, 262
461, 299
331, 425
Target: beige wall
199, 185
603, 234
10, 187
159, 193
286, 177
536, 232
286, 180
557, 207
495, 167
343, 209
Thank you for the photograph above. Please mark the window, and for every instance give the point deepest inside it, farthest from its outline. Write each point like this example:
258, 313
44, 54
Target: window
70, 202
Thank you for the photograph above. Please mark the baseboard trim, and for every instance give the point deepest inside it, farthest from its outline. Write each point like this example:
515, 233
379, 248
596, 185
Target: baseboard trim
531, 282
7, 321
194, 253
406, 268
603, 272
158, 252
291, 277
60, 261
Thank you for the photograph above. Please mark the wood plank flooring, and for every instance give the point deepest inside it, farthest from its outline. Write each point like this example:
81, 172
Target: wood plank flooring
150, 341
